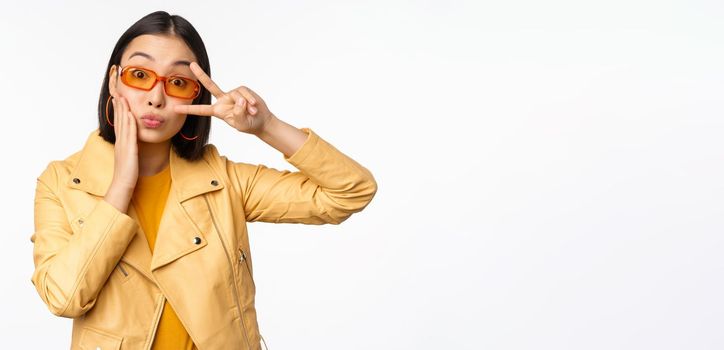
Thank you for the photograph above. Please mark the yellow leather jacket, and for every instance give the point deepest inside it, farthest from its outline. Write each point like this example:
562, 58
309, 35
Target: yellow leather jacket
93, 263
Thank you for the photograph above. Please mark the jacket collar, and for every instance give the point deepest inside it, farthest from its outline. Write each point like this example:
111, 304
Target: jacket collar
94, 171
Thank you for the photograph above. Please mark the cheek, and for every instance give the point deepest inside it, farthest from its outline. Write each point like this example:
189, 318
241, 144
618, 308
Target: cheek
127, 92
178, 121
134, 97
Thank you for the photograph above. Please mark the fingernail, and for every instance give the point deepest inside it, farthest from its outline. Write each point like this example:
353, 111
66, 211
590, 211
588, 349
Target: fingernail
253, 110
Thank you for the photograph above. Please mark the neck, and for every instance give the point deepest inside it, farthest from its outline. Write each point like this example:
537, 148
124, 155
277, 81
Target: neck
152, 157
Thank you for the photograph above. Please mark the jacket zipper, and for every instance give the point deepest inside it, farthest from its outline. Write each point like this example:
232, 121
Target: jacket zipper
245, 261
242, 260
123, 271
157, 318
233, 275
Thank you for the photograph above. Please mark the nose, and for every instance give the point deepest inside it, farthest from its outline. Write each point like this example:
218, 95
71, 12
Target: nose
156, 97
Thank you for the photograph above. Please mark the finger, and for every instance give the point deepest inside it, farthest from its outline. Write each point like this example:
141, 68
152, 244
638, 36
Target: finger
241, 102
121, 123
206, 80
239, 106
236, 96
115, 116
128, 120
200, 110
133, 127
248, 94
238, 93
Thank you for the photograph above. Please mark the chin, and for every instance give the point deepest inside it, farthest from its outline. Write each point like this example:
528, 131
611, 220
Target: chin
153, 136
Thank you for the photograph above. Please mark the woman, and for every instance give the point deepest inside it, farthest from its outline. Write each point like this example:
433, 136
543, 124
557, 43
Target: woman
141, 237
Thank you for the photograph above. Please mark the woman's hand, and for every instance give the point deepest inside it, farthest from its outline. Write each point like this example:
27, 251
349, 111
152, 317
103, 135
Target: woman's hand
126, 147
125, 164
241, 108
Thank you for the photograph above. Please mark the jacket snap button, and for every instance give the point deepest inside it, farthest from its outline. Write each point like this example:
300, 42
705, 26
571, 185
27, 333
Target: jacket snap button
214, 183
76, 180
197, 240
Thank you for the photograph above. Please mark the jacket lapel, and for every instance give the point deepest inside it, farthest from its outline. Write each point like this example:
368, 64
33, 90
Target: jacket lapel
138, 253
94, 171
178, 232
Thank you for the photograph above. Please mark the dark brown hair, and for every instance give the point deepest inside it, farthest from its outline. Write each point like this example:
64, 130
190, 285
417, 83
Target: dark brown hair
160, 22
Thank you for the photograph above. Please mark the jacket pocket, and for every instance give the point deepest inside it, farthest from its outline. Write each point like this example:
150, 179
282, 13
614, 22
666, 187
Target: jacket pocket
245, 269
124, 272
94, 339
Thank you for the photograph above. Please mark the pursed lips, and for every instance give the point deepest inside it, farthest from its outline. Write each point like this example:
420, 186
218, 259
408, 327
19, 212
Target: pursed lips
152, 117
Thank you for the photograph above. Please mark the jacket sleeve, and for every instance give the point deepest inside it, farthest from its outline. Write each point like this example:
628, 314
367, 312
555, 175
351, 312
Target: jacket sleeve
71, 269
329, 187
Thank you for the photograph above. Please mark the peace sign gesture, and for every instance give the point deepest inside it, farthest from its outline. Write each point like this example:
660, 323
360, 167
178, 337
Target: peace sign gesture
241, 108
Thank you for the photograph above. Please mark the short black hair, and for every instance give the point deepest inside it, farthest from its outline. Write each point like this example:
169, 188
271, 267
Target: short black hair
160, 22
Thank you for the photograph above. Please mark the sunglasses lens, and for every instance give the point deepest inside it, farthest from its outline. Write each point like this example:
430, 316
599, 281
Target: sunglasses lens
138, 78
182, 87
145, 79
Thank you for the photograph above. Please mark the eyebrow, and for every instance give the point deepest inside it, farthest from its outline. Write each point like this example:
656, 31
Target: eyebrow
143, 54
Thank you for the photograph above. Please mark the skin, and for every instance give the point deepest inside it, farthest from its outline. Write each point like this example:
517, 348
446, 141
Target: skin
143, 151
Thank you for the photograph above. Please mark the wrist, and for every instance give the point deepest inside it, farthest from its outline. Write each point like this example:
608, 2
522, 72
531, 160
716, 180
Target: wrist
267, 130
121, 187
118, 197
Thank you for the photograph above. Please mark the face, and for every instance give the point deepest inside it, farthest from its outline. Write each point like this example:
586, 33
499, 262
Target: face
167, 56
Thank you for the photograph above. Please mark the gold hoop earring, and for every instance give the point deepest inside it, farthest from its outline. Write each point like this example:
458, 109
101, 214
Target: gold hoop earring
107, 102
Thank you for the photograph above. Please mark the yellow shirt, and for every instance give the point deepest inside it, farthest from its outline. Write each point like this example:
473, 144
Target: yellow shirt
149, 200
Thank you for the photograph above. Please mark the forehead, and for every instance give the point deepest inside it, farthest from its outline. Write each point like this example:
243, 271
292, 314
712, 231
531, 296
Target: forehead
164, 49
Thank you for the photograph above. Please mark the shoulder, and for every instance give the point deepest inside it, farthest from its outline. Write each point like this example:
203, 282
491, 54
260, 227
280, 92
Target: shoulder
232, 171
212, 157
218, 161
96, 151
57, 171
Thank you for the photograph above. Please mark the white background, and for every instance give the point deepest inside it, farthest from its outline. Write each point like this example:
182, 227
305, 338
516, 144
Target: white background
550, 172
